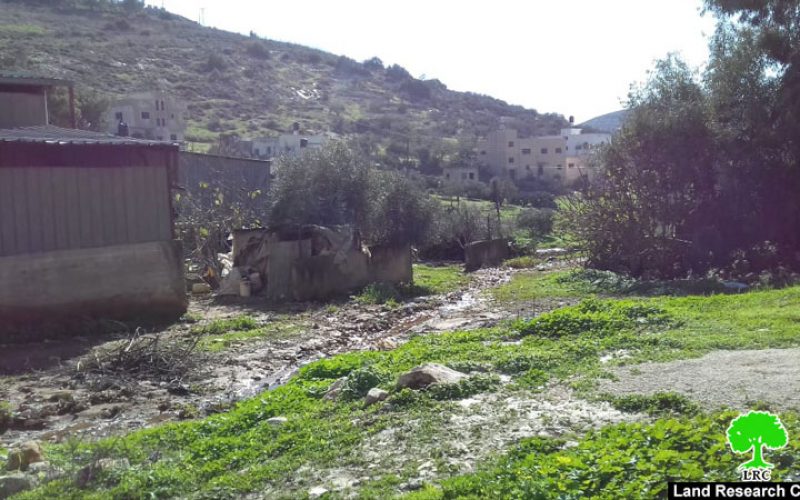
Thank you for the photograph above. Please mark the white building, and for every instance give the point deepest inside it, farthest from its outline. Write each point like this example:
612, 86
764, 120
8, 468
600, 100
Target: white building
151, 115
562, 158
292, 145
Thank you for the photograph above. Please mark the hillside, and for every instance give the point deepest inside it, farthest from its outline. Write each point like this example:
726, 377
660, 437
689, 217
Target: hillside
246, 85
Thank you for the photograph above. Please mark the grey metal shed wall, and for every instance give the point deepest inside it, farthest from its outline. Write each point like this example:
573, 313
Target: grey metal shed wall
236, 177
56, 208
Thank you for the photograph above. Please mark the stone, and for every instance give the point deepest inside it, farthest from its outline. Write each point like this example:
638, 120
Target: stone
28, 453
45, 470
429, 374
277, 421
15, 483
316, 492
375, 395
332, 394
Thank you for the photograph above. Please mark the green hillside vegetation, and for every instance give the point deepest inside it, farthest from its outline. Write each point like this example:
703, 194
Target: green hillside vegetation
250, 86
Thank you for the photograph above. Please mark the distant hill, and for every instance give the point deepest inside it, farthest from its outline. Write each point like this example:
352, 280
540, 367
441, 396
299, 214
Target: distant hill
247, 85
609, 122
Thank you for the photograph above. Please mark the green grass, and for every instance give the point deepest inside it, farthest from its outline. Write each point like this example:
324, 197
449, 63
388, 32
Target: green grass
17, 30
623, 461
439, 279
524, 262
428, 280
582, 283
222, 333
236, 452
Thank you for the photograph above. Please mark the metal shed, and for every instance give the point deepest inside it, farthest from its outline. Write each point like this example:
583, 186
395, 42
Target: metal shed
90, 216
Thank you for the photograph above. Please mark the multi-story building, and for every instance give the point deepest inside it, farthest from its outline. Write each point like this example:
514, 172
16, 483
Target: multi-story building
151, 115
292, 145
562, 158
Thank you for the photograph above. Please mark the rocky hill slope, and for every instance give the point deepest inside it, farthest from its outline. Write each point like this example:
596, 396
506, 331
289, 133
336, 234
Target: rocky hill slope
246, 85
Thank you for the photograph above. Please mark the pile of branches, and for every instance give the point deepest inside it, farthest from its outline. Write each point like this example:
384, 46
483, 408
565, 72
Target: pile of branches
144, 355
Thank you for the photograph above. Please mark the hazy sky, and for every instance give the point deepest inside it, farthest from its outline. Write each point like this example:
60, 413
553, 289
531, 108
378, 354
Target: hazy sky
574, 57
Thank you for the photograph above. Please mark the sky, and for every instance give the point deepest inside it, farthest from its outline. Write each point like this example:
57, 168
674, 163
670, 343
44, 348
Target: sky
573, 57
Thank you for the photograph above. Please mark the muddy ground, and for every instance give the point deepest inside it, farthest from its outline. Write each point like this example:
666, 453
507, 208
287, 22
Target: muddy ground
73, 389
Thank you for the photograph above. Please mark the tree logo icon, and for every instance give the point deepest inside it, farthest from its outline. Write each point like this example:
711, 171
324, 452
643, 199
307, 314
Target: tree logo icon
755, 431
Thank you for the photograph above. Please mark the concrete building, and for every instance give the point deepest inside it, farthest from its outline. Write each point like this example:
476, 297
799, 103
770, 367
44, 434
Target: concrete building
291, 145
151, 115
23, 100
458, 176
562, 158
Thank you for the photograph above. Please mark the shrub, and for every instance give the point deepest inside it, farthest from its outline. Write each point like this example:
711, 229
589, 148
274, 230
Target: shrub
537, 222
257, 49
361, 380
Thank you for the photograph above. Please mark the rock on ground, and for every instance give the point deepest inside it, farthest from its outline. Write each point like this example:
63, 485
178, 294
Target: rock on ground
15, 483
28, 453
375, 395
429, 374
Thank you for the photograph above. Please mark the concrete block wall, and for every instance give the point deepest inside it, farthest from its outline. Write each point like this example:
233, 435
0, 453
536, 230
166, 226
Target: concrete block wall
114, 282
486, 253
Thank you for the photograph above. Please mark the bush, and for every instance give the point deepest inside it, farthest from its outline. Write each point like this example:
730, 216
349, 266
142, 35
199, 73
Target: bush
215, 62
257, 49
360, 381
537, 222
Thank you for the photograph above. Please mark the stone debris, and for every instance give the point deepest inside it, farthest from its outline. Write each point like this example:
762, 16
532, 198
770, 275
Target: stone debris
316, 492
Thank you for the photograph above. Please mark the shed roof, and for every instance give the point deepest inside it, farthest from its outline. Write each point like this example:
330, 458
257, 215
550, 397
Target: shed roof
20, 78
49, 134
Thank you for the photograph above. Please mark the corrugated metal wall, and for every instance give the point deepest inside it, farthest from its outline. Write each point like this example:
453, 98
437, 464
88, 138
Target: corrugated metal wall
57, 208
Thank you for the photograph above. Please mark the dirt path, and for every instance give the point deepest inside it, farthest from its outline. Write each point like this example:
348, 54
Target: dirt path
64, 401
735, 379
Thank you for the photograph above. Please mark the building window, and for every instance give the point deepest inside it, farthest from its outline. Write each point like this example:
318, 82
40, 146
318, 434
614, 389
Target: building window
512, 173
540, 170
578, 147
483, 153
118, 116
560, 167
156, 104
173, 137
510, 159
544, 151
526, 151
446, 176
145, 115
162, 105
511, 144
571, 165
472, 176
558, 150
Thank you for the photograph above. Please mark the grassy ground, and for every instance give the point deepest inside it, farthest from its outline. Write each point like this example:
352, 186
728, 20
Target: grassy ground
428, 280
239, 451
